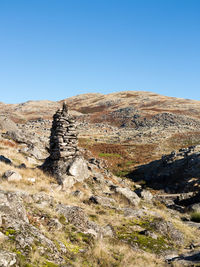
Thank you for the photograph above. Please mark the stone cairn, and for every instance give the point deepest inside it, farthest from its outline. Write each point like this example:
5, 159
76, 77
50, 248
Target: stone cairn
63, 144
63, 139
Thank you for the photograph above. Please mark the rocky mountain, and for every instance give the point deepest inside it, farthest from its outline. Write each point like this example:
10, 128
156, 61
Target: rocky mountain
112, 182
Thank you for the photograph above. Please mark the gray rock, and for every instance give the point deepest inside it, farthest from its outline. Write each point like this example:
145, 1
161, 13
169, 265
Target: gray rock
3, 237
166, 228
104, 201
76, 216
128, 194
149, 233
12, 176
7, 259
128, 212
79, 169
99, 178
43, 199
68, 181
7, 124
17, 136
35, 152
195, 207
108, 231
146, 195
54, 223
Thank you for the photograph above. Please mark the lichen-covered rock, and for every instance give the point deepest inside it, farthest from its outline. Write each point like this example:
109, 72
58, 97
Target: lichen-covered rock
104, 201
128, 194
76, 216
128, 212
7, 259
42, 199
12, 209
166, 228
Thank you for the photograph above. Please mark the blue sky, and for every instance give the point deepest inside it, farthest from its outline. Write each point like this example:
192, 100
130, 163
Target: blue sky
53, 49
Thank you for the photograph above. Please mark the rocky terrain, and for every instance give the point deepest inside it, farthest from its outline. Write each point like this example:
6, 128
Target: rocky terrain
124, 192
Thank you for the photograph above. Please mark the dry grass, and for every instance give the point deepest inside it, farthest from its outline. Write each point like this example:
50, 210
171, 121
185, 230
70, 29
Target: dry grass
190, 233
180, 140
106, 254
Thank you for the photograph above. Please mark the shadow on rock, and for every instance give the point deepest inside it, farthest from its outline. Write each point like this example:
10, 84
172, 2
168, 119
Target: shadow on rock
174, 173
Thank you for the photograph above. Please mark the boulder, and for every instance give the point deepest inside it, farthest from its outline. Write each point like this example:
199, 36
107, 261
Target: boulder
7, 124
99, 178
104, 201
77, 193
12, 209
76, 216
68, 181
55, 224
166, 228
3, 237
42, 199
36, 153
22, 166
128, 212
144, 194
7, 259
17, 136
128, 194
12, 176
108, 231
79, 169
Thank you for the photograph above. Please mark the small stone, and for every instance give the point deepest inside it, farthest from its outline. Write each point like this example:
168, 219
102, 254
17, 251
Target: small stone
12, 176
22, 166
31, 180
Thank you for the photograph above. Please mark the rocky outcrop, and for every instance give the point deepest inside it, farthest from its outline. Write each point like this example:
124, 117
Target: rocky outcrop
7, 124
76, 216
163, 120
172, 172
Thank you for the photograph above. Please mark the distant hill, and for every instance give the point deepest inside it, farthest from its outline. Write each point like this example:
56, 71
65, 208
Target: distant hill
99, 107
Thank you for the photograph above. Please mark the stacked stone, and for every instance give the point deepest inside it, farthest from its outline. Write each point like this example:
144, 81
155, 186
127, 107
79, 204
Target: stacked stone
63, 139
63, 145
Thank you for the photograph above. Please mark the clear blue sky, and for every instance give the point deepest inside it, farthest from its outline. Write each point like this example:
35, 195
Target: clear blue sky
53, 49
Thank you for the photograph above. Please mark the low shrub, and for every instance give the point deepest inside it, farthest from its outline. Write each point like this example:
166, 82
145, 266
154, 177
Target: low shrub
195, 217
